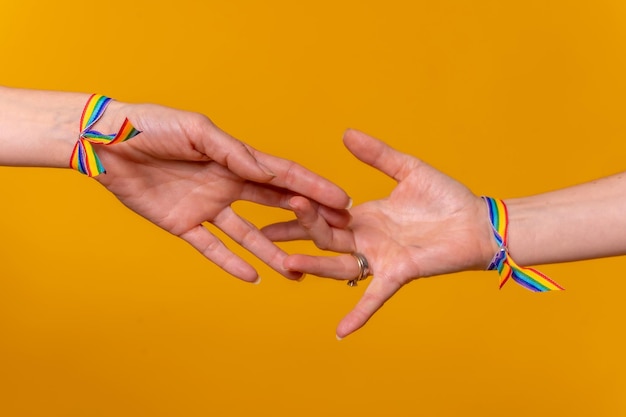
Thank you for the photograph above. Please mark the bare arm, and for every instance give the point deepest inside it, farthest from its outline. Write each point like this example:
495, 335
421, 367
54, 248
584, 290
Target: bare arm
432, 224
575, 223
180, 172
38, 128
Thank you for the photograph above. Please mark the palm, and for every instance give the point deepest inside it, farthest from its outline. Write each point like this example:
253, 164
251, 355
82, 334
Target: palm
426, 227
183, 171
429, 225
176, 195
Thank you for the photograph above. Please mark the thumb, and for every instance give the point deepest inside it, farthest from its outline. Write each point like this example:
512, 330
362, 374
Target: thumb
378, 292
378, 154
236, 155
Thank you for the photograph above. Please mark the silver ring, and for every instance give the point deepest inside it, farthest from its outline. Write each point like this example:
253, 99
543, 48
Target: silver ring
364, 269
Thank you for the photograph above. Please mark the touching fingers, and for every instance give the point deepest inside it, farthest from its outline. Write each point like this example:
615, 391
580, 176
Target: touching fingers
344, 267
253, 165
251, 238
271, 196
214, 250
339, 218
285, 232
320, 231
294, 177
266, 195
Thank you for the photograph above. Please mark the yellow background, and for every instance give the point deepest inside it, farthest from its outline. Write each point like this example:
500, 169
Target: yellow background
512, 98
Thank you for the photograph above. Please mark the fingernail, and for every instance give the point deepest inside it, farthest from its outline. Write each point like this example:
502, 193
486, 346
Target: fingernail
349, 204
301, 278
338, 337
257, 281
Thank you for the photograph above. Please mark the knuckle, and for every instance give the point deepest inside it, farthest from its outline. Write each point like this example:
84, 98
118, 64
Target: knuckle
211, 247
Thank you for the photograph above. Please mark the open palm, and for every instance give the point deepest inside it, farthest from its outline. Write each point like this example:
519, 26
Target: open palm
429, 225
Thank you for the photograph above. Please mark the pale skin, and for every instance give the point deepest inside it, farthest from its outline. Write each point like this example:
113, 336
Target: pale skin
431, 224
179, 173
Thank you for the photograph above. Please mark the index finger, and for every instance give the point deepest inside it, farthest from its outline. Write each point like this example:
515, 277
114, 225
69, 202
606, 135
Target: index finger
295, 177
221, 147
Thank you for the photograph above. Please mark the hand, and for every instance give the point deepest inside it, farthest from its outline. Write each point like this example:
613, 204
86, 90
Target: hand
182, 171
429, 225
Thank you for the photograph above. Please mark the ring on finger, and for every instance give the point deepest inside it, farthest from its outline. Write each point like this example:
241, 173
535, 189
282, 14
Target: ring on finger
364, 269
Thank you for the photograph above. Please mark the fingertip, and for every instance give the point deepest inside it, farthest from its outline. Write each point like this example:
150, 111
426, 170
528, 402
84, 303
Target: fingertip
298, 203
292, 274
359, 143
296, 276
243, 271
338, 337
350, 202
349, 132
246, 274
342, 332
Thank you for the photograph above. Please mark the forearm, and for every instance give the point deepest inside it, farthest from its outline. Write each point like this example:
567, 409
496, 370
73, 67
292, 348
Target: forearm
38, 128
580, 222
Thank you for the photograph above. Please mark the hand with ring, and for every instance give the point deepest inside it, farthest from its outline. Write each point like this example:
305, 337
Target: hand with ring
429, 225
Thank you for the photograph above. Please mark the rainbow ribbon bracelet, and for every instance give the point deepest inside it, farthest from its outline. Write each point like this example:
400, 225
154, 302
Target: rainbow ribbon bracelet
502, 262
84, 158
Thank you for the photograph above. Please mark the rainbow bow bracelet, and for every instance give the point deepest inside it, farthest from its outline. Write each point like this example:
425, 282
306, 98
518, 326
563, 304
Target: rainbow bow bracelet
84, 158
502, 262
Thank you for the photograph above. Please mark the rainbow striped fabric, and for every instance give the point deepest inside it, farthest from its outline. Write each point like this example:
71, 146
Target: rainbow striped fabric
507, 268
84, 158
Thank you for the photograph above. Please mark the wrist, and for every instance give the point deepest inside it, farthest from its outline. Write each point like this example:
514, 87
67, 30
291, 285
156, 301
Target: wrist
84, 158
521, 236
113, 117
63, 130
41, 128
38, 128
487, 244
503, 262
